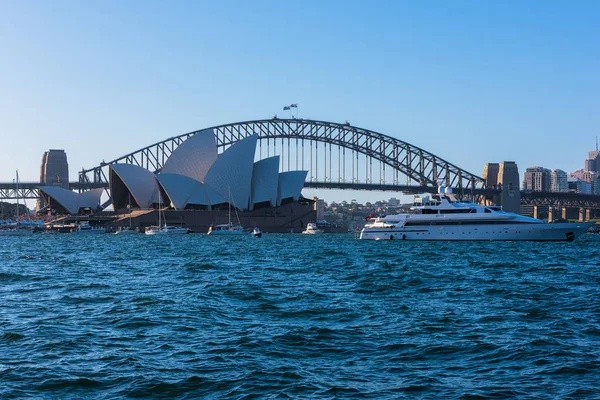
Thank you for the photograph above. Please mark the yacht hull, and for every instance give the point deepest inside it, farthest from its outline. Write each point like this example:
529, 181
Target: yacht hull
225, 233
496, 232
176, 231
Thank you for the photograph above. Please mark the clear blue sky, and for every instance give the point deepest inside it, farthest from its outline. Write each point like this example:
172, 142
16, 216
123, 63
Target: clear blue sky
470, 81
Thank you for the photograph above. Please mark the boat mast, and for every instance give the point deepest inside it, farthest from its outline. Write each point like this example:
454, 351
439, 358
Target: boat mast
17, 190
159, 225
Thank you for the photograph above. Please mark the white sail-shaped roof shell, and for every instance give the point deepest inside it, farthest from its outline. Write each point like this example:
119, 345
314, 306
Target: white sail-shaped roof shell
90, 198
72, 201
68, 199
182, 191
179, 188
265, 181
194, 157
290, 185
206, 196
140, 182
231, 174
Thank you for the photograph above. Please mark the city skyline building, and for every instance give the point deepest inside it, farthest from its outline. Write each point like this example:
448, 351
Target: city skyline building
536, 179
558, 181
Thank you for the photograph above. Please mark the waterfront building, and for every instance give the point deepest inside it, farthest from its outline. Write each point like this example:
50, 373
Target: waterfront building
196, 185
558, 181
196, 177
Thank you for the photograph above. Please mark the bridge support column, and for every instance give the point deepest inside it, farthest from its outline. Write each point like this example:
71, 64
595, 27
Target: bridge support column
588, 214
535, 212
581, 214
550, 214
564, 213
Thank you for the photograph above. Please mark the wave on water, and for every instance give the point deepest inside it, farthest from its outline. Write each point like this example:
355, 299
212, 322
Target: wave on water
290, 316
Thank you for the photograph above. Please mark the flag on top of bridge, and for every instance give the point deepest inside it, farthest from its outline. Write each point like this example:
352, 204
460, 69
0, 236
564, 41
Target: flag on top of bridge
295, 105
286, 108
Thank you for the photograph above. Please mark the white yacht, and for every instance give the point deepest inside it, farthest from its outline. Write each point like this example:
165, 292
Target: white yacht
225, 229
312, 229
85, 228
442, 217
256, 233
166, 230
229, 228
125, 230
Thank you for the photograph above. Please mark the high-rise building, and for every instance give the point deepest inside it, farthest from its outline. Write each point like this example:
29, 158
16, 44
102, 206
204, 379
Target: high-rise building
584, 187
592, 164
537, 179
558, 181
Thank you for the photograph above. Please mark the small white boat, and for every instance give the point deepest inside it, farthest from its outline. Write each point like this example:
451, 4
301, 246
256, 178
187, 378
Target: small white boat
86, 228
225, 229
229, 228
125, 230
312, 229
166, 230
256, 233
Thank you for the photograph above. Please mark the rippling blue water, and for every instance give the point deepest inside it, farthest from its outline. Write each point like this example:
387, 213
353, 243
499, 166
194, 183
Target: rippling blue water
296, 316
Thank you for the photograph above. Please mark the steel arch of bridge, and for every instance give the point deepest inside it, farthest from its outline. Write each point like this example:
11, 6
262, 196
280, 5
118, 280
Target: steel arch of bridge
364, 147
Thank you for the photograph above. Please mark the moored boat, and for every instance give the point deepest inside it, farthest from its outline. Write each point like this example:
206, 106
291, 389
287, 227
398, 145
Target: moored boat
229, 228
225, 229
125, 230
86, 228
312, 229
166, 230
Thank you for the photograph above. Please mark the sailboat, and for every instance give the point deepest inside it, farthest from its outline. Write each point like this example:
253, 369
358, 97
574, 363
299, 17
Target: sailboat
165, 229
228, 228
127, 230
13, 229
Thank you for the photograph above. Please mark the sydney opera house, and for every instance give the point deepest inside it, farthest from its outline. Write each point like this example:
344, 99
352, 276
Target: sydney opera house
196, 187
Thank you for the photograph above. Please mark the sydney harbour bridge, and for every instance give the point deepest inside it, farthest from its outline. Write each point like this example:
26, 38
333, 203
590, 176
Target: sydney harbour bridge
336, 156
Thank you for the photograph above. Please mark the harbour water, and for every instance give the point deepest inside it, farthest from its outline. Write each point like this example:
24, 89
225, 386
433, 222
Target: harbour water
297, 316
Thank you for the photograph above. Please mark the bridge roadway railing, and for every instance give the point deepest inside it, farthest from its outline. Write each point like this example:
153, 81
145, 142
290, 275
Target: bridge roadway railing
29, 190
